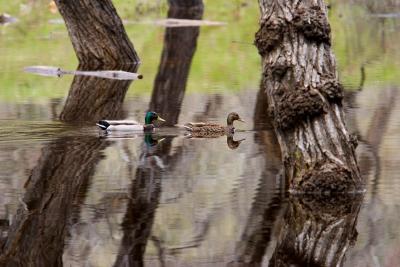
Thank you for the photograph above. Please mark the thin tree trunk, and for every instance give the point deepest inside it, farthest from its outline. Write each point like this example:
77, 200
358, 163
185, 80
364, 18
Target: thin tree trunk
186, 4
305, 97
176, 58
168, 92
97, 33
317, 232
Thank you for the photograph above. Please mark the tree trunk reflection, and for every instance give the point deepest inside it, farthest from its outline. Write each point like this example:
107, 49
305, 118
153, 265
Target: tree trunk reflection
262, 120
143, 201
269, 197
317, 231
167, 97
54, 192
58, 184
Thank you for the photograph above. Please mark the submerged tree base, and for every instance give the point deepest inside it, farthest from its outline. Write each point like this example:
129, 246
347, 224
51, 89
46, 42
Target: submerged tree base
317, 230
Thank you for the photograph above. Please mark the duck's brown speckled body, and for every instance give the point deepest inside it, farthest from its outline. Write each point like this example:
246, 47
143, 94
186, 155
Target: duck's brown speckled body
205, 129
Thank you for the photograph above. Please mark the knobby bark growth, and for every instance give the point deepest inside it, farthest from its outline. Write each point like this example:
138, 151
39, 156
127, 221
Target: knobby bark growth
97, 33
179, 48
305, 97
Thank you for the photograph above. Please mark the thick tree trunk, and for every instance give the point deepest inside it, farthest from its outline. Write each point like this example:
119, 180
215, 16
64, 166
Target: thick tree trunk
92, 99
305, 97
97, 33
317, 232
177, 55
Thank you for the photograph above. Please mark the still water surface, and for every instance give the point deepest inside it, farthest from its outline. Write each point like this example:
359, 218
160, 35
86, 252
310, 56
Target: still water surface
73, 197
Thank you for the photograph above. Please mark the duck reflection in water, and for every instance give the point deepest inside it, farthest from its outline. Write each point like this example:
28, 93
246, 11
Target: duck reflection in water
151, 140
233, 144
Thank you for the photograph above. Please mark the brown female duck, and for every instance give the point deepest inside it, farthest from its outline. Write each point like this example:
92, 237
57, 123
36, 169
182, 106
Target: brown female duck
213, 129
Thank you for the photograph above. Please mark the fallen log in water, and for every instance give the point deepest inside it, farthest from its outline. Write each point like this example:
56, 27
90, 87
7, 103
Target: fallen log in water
108, 74
7, 19
174, 22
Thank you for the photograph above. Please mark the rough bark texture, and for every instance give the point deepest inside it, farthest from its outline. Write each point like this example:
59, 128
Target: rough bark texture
176, 58
317, 231
97, 33
91, 99
305, 97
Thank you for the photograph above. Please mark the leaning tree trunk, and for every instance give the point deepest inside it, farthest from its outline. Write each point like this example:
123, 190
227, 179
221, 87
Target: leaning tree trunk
91, 98
305, 97
179, 48
97, 33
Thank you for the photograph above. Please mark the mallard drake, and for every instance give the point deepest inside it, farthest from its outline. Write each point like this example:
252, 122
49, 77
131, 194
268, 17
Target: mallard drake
197, 129
128, 125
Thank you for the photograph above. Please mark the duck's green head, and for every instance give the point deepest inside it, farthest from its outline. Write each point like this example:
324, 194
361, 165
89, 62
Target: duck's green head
151, 116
